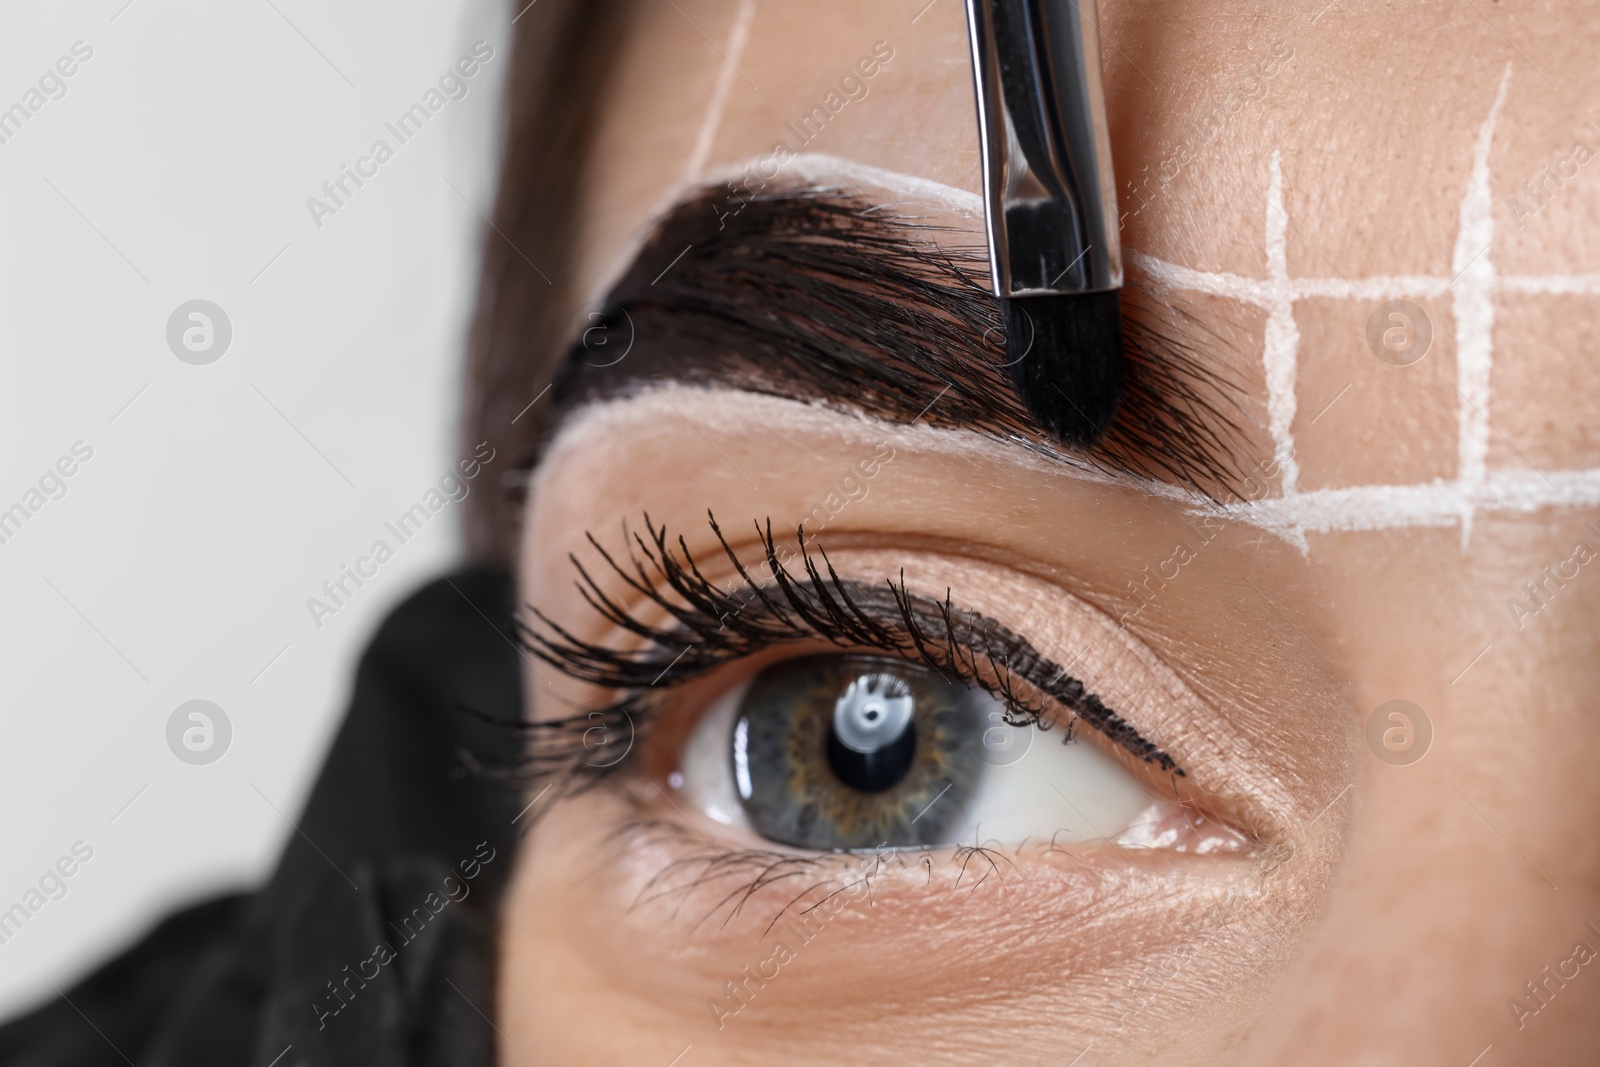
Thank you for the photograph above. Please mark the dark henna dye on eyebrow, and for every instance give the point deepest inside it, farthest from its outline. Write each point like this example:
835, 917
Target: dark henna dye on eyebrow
819, 297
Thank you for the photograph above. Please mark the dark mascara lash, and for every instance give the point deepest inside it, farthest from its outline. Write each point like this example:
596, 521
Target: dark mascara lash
712, 627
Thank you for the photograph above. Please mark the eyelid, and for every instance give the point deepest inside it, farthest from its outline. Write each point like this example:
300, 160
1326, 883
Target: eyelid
1038, 790
1227, 776
791, 608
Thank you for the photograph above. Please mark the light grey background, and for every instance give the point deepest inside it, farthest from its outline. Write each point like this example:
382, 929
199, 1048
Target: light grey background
219, 498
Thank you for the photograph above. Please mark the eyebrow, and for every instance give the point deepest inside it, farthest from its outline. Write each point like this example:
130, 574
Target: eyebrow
817, 296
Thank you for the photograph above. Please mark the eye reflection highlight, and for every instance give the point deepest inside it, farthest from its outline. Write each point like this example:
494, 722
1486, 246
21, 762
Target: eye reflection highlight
838, 752
874, 740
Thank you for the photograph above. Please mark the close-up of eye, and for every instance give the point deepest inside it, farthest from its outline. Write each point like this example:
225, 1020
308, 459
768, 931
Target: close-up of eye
840, 753
853, 752
710, 533
978, 739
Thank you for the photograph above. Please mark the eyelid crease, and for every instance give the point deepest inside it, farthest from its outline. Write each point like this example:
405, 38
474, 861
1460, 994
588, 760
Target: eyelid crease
714, 628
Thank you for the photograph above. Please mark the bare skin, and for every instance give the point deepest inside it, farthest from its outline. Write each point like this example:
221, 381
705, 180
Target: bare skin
1396, 909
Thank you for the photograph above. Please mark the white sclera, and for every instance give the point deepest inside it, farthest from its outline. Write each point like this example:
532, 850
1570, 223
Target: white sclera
706, 767
1071, 792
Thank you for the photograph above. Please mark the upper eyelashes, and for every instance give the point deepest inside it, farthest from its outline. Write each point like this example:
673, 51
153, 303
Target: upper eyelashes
711, 627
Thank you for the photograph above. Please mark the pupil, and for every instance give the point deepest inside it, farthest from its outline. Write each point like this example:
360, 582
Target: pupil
873, 741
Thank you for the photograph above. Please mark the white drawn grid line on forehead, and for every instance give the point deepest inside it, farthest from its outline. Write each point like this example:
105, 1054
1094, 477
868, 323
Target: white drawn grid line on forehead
1362, 507
1358, 509
1352, 508
1280, 342
613, 418
733, 51
1472, 308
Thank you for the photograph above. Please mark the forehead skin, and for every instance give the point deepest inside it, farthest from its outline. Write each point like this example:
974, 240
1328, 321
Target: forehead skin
1394, 151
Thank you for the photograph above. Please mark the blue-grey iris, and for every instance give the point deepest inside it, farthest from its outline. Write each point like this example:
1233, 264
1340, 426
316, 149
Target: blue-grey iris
850, 751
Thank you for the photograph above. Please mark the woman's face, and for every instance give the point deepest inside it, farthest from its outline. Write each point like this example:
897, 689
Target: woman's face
1247, 854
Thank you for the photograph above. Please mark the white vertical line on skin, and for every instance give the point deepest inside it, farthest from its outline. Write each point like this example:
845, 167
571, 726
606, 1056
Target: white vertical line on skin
1357, 508
1473, 308
1280, 346
1437, 503
738, 38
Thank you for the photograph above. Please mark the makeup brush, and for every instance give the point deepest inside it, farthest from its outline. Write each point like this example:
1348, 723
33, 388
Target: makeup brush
1050, 200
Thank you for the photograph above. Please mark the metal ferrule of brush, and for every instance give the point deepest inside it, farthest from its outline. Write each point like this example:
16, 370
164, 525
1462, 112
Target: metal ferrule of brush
1048, 187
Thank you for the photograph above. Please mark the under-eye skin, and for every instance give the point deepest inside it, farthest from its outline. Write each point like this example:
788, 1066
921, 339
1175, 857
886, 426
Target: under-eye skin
901, 739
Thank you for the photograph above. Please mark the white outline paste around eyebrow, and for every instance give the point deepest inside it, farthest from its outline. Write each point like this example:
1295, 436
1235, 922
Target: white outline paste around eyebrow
1362, 508
755, 413
1294, 514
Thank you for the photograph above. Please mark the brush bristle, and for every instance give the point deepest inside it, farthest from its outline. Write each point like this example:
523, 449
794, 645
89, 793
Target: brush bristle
1066, 361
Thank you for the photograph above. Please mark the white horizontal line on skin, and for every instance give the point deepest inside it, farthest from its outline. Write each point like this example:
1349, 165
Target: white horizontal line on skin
1289, 516
1358, 508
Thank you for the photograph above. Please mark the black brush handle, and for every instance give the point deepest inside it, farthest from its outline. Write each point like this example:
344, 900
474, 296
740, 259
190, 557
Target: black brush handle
1049, 189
